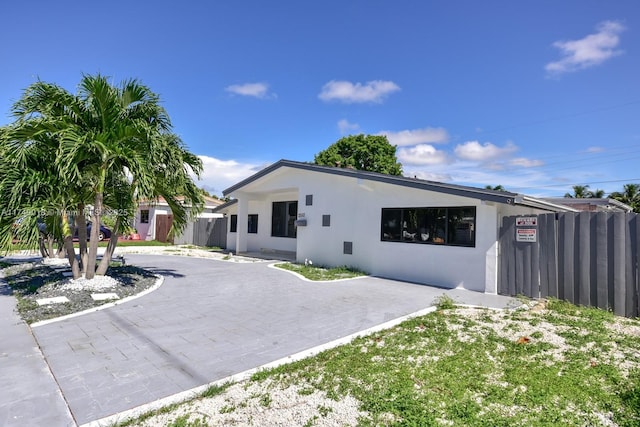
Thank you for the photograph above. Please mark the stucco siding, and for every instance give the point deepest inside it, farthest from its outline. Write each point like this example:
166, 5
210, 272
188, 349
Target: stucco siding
354, 209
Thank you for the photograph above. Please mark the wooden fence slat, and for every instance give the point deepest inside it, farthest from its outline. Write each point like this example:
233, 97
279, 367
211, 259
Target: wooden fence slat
601, 245
535, 267
550, 230
631, 302
566, 252
525, 269
619, 258
583, 261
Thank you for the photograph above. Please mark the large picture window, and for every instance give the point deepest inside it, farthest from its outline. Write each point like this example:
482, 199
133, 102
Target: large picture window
443, 226
283, 219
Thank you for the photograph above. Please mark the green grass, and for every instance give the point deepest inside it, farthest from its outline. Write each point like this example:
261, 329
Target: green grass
312, 272
449, 368
563, 366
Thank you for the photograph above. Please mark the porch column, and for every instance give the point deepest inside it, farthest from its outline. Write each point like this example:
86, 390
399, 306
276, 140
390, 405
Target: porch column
243, 219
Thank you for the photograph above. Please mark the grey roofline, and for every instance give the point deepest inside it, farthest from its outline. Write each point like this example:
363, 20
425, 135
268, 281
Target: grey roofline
457, 190
590, 200
225, 205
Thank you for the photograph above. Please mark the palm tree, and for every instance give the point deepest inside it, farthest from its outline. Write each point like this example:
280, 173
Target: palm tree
113, 145
579, 192
629, 195
597, 194
498, 187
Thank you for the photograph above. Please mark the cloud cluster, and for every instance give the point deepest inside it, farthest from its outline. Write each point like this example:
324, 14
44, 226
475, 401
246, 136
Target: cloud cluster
255, 90
589, 51
350, 93
219, 175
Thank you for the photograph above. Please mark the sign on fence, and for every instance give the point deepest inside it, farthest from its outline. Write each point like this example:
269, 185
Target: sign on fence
526, 221
526, 235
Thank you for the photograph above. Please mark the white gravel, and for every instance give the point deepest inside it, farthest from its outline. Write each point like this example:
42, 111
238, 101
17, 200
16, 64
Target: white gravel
265, 404
98, 283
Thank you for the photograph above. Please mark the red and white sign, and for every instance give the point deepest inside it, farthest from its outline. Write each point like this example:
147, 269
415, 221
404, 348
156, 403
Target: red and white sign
526, 221
526, 235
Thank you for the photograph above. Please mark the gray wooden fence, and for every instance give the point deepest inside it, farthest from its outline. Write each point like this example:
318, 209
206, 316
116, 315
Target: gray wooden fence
205, 232
210, 232
587, 258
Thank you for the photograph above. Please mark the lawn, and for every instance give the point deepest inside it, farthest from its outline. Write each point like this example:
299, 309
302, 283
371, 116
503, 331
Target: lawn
319, 273
555, 364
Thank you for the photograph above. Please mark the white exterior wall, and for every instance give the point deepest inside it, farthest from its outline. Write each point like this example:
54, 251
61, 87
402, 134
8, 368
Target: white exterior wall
355, 207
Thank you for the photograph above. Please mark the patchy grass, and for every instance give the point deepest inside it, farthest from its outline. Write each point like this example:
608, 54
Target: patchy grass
556, 365
312, 272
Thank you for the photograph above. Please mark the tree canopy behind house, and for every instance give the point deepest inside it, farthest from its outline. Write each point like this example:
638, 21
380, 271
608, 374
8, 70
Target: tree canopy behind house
371, 153
630, 195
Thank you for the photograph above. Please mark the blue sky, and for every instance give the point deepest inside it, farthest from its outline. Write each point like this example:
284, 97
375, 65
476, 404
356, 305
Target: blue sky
535, 96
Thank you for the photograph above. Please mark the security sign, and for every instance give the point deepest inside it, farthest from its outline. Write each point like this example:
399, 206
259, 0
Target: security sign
526, 235
526, 221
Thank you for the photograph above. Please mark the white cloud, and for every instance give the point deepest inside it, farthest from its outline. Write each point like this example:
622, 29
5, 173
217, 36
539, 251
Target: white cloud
589, 51
525, 163
417, 136
595, 150
219, 175
257, 90
473, 150
345, 127
374, 91
423, 154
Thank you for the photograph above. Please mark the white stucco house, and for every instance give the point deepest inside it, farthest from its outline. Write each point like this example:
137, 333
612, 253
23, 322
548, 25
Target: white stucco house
389, 226
154, 217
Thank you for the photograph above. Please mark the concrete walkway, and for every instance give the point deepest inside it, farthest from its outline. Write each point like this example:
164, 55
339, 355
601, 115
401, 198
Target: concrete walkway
210, 319
29, 394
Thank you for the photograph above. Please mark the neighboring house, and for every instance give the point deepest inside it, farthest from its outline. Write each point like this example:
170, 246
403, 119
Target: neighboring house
591, 204
389, 226
154, 218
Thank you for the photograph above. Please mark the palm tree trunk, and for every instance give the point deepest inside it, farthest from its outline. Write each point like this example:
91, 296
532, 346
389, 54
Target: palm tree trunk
111, 247
68, 245
71, 256
81, 223
93, 239
41, 246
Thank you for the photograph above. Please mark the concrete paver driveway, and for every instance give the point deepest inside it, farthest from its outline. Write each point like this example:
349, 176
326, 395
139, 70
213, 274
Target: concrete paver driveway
211, 319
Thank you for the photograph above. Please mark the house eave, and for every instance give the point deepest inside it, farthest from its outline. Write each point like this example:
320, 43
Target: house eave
457, 190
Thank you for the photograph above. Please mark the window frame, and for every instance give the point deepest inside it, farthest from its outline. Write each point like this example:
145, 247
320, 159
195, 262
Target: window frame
252, 224
145, 213
283, 221
430, 225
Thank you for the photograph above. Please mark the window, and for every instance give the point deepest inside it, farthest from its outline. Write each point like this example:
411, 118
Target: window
234, 224
252, 226
283, 218
309, 200
444, 226
326, 220
144, 216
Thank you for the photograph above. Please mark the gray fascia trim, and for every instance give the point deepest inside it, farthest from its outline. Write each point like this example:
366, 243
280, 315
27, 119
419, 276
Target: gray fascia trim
542, 204
457, 190
225, 205
620, 204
